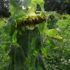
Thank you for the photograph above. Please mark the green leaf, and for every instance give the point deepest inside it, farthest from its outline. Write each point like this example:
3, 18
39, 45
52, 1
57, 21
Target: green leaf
54, 34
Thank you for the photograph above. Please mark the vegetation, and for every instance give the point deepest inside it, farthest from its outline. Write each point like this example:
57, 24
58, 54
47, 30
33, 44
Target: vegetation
30, 41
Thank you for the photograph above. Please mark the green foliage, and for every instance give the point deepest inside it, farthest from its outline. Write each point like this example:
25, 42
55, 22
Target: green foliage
45, 47
4, 48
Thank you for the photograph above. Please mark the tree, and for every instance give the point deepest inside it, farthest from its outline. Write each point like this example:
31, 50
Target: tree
4, 8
